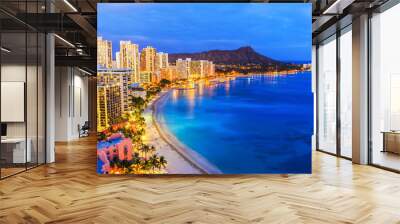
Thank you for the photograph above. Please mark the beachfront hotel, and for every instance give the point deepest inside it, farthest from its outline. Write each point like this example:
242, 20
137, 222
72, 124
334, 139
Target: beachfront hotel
104, 52
161, 60
129, 58
108, 105
121, 77
148, 59
51, 47
183, 68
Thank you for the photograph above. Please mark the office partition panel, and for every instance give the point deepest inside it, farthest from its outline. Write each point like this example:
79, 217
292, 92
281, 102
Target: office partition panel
327, 75
15, 149
22, 66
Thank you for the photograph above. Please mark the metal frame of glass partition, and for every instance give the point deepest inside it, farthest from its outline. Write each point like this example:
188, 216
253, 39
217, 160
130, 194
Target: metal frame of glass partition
41, 118
338, 153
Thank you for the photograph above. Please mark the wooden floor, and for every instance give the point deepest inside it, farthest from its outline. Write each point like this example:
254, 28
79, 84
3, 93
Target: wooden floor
70, 191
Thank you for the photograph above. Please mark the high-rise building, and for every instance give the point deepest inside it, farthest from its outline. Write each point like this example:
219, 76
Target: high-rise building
130, 58
170, 73
118, 60
108, 105
196, 69
156, 76
161, 60
201, 69
120, 77
211, 69
183, 68
145, 77
147, 59
104, 53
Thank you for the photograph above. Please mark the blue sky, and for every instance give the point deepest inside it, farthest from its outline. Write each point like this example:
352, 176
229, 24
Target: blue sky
280, 31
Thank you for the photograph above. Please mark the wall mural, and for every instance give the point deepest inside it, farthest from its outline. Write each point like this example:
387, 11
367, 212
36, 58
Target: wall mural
204, 88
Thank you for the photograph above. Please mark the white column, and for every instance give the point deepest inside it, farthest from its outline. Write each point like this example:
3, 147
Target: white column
50, 98
360, 90
63, 101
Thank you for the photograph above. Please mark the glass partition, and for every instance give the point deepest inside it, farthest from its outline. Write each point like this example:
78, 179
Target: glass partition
385, 89
327, 95
31, 97
22, 88
13, 92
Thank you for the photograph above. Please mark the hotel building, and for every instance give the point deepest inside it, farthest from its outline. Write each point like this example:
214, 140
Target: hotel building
201, 69
170, 73
183, 68
104, 53
117, 60
161, 60
108, 105
147, 59
145, 77
129, 58
120, 77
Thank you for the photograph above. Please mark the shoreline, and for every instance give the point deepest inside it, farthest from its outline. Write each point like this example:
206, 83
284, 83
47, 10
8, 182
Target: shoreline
188, 158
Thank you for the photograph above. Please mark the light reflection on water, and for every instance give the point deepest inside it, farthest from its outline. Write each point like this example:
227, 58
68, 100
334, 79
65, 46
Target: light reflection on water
261, 124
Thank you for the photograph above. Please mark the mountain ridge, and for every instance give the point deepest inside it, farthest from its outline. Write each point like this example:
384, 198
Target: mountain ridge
242, 55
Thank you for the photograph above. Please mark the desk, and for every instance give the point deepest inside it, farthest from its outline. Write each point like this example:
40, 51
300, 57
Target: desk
16, 147
391, 141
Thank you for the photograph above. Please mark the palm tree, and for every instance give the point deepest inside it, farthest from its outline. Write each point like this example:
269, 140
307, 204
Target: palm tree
152, 149
144, 149
138, 102
146, 164
153, 161
162, 162
147, 149
136, 163
136, 158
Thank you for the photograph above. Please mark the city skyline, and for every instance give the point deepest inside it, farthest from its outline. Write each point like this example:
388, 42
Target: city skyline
118, 72
185, 32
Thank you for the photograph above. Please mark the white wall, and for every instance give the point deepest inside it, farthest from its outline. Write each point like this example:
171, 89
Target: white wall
71, 102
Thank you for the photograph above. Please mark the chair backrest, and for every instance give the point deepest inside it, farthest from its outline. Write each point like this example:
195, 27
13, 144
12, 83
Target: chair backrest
86, 125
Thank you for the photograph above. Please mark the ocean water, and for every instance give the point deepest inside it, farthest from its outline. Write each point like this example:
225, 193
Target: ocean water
257, 124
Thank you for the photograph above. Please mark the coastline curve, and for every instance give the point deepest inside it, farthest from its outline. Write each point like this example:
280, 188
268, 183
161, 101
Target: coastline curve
188, 154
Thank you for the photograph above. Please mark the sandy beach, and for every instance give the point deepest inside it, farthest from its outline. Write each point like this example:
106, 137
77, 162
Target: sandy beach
181, 159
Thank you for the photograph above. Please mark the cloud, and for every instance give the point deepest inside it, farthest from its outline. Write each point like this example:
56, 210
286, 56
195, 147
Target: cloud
193, 27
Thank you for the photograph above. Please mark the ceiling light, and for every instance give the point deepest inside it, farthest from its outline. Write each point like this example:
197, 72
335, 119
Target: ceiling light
70, 5
86, 72
5, 50
337, 7
65, 41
